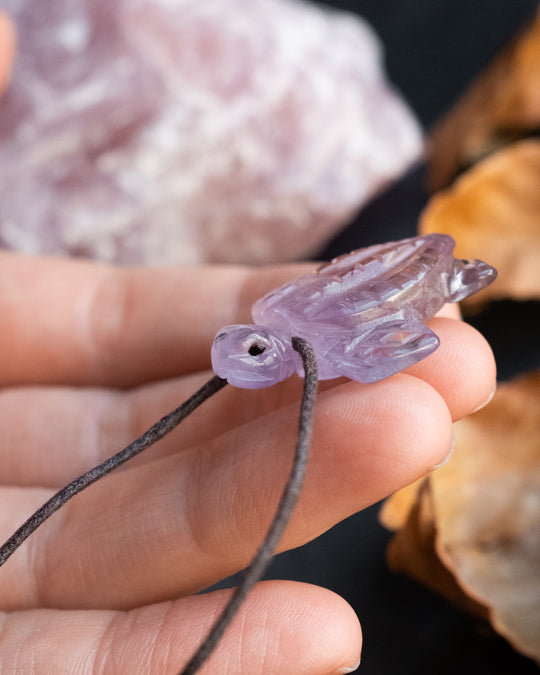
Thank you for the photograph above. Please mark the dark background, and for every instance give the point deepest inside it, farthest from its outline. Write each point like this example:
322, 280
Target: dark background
434, 48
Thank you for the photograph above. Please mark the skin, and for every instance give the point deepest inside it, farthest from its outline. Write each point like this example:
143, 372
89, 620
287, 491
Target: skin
90, 357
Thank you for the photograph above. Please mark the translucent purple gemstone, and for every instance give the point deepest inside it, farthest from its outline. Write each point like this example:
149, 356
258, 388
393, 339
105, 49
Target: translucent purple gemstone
169, 132
364, 313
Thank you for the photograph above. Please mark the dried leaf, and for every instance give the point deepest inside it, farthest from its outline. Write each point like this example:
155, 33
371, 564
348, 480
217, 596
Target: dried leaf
474, 533
395, 510
412, 551
487, 510
495, 209
501, 106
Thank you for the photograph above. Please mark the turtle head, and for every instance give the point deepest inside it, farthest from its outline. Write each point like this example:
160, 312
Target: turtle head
468, 277
253, 357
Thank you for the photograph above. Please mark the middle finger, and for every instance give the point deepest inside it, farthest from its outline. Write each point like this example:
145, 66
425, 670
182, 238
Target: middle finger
177, 524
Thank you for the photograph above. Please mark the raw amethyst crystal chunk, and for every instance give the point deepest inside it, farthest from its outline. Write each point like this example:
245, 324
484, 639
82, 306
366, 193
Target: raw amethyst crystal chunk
180, 131
364, 313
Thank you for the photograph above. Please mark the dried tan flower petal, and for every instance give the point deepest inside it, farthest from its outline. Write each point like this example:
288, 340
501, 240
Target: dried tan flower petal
502, 105
412, 551
487, 511
494, 211
474, 533
396, 509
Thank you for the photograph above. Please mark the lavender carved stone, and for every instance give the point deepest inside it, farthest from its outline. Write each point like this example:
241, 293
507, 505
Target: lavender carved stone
364, 313
180, 131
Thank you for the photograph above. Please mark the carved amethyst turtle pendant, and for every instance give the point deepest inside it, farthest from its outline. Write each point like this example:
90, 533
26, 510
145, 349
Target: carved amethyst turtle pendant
364, 313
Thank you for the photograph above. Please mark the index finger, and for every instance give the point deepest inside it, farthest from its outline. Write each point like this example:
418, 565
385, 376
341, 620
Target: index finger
74, 322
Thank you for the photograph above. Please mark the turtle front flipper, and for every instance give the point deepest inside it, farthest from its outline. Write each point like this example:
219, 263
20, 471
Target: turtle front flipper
382, 351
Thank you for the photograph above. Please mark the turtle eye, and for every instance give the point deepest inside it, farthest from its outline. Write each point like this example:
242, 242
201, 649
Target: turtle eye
256, 349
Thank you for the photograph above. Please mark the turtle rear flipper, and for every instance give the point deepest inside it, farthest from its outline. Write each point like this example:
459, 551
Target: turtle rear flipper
385, 350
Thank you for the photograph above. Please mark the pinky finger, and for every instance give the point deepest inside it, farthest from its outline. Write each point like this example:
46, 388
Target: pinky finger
283, 627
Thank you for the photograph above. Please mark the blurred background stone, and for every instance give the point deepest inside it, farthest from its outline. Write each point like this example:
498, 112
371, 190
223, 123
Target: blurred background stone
179, 131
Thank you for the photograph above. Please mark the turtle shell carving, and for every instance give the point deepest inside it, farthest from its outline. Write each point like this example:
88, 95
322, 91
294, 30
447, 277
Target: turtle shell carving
364, 313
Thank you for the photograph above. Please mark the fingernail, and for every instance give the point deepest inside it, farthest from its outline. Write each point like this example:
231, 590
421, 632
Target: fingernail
437, 466
488, 400
348, 669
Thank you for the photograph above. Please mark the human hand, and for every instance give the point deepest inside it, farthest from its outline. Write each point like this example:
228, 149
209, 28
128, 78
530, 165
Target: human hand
85, 353
89, 358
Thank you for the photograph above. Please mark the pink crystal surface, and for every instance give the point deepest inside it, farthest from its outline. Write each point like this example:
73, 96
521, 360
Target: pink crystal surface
364, 314
179, 131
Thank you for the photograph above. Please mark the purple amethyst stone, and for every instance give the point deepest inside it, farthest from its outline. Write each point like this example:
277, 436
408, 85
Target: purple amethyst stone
364, 313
